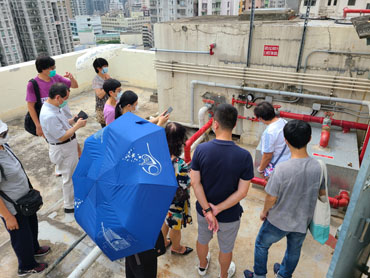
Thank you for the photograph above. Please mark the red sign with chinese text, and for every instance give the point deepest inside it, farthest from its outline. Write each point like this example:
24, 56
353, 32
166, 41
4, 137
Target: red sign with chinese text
270, 50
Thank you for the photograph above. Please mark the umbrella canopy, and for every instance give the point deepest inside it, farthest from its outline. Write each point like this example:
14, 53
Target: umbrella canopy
124, 184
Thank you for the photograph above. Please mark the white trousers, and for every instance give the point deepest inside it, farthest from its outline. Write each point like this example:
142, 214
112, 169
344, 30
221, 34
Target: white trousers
65, 157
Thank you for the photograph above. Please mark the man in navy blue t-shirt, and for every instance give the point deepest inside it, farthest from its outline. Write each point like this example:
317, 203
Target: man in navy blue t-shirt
220, 176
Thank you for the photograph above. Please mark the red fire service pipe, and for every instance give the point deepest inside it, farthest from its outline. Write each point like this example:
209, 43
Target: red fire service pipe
196, 135
340, 200
346, 125
354, 11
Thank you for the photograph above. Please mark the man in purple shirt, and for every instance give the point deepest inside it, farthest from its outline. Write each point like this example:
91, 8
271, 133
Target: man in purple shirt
45, 66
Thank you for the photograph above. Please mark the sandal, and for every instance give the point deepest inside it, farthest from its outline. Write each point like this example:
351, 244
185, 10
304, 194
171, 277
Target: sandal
248, 274
187, 251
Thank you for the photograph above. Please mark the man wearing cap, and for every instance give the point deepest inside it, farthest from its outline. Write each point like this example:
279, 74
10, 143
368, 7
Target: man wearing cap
22, 229
60, 134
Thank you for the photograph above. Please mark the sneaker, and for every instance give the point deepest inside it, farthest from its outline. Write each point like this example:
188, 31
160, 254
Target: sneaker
42, 251
203, 271
40, 267
230, 271
276, 268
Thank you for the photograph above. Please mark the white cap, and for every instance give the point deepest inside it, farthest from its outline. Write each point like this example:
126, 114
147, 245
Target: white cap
3, 126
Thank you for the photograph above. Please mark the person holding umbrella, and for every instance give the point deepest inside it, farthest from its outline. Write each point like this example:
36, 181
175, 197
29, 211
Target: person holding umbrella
178, 215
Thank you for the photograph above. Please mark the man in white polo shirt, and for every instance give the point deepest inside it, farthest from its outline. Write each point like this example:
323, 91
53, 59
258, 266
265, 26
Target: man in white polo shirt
60, 134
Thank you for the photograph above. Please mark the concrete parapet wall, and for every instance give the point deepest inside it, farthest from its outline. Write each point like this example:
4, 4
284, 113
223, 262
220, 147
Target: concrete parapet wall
132, 67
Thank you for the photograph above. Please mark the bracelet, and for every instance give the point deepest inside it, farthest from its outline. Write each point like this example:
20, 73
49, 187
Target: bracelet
259, 171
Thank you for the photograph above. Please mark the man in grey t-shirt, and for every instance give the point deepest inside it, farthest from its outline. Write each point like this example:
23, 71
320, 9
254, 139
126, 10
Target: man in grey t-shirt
292, 192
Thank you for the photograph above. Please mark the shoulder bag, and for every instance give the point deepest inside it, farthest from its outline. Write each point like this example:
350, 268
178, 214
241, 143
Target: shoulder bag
29, 125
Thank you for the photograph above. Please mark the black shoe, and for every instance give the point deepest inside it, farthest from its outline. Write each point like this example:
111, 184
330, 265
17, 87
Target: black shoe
187, 251
276, 268
40, 267
69, 210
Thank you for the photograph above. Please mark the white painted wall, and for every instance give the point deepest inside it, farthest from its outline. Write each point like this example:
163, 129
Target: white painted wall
133, 66
231, 37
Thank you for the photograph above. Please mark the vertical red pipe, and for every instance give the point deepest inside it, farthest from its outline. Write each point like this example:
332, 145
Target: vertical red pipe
196, 135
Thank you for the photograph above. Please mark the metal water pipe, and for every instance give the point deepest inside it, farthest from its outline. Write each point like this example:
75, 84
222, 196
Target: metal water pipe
212, 46
193, 83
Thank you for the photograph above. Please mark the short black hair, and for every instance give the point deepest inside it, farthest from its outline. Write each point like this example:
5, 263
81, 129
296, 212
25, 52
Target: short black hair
58, 89
44, 62
297, 133
226, 115
111, 85
128, 97
264, 110
99, 63
176, 138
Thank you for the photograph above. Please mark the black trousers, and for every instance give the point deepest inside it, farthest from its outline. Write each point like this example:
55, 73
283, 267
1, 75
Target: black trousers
142, 265
24, 240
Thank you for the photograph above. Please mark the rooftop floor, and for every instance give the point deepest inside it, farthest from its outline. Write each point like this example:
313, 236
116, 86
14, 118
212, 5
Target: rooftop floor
60, 231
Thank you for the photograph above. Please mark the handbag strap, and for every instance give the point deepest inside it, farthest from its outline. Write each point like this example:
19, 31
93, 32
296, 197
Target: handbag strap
6, 197
280, 155
9, 150
36, 90
324, 174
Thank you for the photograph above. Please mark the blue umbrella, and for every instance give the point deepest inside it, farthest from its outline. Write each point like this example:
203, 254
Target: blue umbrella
124, 184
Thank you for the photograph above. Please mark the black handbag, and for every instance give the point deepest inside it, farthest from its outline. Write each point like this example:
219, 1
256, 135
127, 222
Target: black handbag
29, 125
28, 204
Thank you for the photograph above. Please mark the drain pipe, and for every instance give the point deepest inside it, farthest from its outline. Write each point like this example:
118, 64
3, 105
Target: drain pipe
202, 121
268, 91
86, 263
251, 23
303, 35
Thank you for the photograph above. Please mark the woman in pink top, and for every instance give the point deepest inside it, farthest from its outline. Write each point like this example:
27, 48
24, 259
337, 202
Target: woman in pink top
112, 88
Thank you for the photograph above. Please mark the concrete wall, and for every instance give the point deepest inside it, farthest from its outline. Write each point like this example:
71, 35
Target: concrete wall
133, 67
231, 37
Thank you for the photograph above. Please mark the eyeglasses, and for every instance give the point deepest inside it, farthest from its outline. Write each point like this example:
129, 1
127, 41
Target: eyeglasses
3, 134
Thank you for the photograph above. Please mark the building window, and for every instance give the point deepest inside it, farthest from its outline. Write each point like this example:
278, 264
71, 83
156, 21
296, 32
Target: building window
368, 6
351, 2
313, 2
329, 2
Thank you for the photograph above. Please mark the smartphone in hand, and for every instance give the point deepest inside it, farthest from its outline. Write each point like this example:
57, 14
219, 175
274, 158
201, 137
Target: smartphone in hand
169, 110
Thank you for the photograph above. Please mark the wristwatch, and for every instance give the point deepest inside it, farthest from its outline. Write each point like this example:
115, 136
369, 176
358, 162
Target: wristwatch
208, 210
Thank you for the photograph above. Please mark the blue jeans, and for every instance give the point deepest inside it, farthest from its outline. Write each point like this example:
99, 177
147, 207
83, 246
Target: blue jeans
268, 235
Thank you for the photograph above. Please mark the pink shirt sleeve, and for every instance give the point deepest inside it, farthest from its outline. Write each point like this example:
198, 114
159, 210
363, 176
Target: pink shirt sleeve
109, 113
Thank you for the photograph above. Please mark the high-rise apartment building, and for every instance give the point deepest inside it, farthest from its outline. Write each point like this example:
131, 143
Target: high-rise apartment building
42, 27
169, 10
10, 51
218, 7
119, 23
78, 7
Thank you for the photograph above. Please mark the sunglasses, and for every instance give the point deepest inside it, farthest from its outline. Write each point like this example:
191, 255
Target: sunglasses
3, 134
